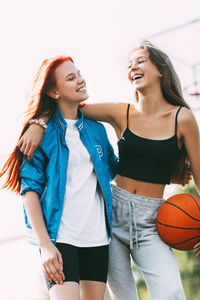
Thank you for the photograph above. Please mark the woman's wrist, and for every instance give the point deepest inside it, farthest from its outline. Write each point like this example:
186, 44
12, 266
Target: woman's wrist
45, 242
39, 122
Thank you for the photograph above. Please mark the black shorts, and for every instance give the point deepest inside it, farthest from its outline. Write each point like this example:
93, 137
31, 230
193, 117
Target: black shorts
81, 263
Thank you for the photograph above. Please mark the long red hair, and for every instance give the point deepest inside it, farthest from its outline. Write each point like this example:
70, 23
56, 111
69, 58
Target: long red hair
40, 104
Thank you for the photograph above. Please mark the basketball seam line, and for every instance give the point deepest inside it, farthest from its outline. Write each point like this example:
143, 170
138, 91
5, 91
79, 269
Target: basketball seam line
182, 210
176, 226
194, 200
173, 244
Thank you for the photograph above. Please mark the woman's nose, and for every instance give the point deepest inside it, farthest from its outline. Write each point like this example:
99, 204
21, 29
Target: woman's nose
134, 66
81, 80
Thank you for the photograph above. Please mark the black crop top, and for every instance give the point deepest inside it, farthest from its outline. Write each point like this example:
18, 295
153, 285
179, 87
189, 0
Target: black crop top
145, 159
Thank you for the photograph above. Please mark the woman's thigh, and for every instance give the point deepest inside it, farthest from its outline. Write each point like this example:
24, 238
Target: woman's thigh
121, 283
70, 257
92, 290
67, 290
157, 262
93, 272
93, 263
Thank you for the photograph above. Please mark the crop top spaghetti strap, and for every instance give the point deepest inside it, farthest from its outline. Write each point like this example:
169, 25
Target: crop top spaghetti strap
146, 159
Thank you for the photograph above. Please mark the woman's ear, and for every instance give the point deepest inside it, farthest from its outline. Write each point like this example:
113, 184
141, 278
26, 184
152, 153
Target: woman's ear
53, 94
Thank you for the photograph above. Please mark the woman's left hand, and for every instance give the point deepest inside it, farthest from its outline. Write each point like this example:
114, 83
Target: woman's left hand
197, 253
188, 175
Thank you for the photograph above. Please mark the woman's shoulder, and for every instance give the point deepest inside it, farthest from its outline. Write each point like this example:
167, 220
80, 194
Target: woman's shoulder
93, 124
186, 120
120, 112
50, 127
123, 106
49, 134
186, 115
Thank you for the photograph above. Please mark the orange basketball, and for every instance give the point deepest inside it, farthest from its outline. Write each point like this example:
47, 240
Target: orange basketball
178, 221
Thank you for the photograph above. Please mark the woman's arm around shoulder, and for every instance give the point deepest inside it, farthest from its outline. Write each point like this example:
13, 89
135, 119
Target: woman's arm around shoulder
32, 139
113, 113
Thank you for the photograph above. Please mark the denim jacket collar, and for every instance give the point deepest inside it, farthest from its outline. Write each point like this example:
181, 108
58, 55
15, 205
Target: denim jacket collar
60, 120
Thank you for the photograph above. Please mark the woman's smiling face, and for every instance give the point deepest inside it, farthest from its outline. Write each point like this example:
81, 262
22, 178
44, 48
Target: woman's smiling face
70, 86
142, 72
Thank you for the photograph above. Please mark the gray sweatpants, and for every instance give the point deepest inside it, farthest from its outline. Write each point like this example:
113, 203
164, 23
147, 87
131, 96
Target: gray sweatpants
135, 235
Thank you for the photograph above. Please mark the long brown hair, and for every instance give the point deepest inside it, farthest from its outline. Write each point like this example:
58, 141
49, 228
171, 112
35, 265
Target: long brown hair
172, 92
40, 104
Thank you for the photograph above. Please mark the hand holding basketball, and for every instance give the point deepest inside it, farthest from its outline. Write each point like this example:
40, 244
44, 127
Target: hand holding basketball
197, 253
178, 222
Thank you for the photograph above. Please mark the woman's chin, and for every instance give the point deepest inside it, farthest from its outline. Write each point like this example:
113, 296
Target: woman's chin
85, 97
139, 88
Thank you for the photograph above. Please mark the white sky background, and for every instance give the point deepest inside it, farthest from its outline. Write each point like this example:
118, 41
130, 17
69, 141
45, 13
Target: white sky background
98, 35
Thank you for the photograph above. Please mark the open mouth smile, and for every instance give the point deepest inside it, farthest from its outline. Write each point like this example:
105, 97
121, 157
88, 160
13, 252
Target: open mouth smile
135, 77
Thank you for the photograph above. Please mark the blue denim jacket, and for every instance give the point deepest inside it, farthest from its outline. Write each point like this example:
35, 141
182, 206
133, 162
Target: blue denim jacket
46, 173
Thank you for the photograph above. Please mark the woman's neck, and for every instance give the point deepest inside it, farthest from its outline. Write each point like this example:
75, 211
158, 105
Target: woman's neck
151, 101
69, 110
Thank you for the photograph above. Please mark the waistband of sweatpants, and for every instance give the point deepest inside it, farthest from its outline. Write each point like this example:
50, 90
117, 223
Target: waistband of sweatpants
125, 197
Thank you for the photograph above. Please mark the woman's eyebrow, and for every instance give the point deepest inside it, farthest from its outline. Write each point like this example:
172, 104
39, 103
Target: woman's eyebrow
69, 75
142, 56
137, 58
73, 73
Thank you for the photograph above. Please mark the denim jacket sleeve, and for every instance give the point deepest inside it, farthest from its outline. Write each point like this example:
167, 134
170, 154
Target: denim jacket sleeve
32, 174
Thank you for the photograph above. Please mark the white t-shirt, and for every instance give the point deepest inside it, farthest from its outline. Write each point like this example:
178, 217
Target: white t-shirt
83, 219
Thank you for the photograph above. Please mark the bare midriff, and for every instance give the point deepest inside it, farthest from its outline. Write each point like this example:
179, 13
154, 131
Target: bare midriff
146, 189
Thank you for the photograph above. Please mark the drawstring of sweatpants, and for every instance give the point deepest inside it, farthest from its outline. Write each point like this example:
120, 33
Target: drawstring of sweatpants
131, 210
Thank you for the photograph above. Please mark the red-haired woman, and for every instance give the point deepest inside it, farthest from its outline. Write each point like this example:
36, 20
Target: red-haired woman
66, 186
156, 135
